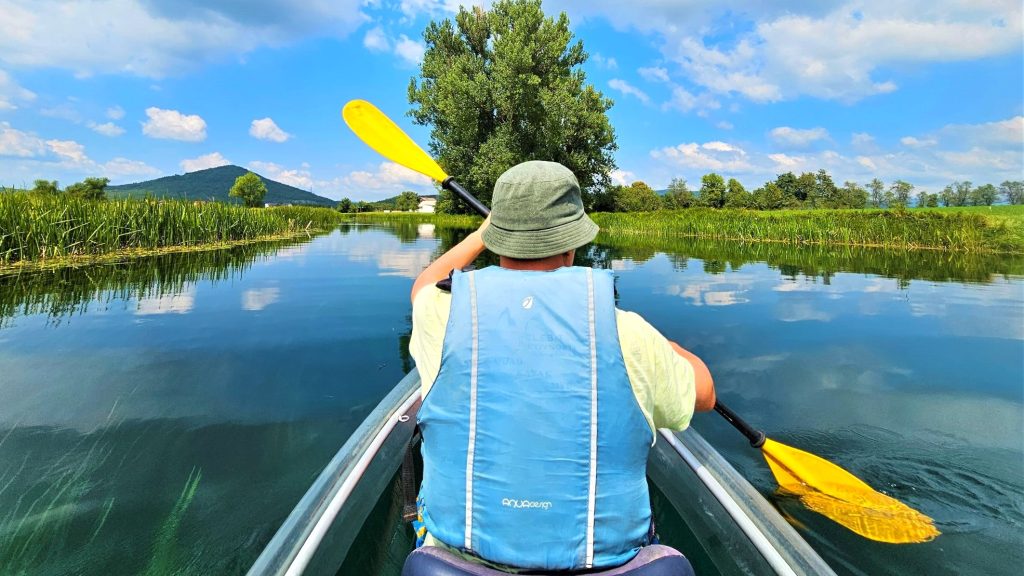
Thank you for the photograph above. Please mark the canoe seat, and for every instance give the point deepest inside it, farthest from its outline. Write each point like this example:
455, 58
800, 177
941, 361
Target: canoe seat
654, 560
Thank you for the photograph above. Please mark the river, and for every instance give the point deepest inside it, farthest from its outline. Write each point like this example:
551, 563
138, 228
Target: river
163, 415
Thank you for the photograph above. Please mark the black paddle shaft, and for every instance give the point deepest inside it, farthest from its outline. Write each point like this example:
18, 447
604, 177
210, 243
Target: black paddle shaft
755, 436
451, 184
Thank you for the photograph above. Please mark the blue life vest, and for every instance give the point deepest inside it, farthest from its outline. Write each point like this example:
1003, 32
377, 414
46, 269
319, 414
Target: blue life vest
534, 445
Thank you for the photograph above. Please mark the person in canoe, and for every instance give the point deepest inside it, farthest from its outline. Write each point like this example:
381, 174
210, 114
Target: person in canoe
540, 397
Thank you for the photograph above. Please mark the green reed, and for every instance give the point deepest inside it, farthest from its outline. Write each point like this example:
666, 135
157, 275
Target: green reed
902, 229
36, 227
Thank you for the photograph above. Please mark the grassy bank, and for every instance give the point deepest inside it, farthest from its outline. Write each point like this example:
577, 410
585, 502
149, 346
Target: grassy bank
953, 230
60, 228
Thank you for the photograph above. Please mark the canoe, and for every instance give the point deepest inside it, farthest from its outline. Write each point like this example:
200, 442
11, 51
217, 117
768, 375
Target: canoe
349, 520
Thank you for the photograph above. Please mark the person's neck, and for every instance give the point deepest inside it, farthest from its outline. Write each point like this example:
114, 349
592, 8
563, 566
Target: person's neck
542, 264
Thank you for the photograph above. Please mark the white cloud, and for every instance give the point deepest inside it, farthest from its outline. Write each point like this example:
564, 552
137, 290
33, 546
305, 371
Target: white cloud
786, 162
414, 8
628, 89
797, 138
388, 179
211, 160
299, 178
867, 162
68, 150
376, 41
173, 125
911, 142
863, 141
106, 129
65, 111
410, 51
14, 142
159, 38
123, 167
725, 125
1009, 132
716, 156
841, 50
654, 74
266, 129
115, 112
11, 93
980, 153
622, 177
59, 159
837, 56
606, 63
684, 101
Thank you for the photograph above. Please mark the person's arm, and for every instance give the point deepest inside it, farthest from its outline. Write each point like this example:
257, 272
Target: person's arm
704, 384
459, 256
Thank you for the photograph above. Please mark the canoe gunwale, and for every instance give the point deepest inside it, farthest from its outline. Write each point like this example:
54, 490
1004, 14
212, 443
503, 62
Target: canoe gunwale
299, 537
373, 452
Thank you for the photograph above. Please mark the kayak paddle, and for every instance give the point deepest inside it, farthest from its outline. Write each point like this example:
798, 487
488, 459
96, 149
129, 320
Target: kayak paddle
821, 485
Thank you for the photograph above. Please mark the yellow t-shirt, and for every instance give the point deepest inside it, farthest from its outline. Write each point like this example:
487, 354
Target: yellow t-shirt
662, 380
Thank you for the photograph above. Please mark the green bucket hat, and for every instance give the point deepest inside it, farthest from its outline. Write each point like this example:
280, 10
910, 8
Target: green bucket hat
536, 212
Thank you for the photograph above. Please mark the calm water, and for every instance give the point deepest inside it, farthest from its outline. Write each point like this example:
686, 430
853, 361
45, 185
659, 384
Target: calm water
163, 416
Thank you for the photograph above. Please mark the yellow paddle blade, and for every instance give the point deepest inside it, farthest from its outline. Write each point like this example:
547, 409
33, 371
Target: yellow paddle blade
384, 136
835, 493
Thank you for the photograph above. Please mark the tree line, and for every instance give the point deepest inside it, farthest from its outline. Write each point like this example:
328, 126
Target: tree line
407, 201
88, 189
249, 187
810, 190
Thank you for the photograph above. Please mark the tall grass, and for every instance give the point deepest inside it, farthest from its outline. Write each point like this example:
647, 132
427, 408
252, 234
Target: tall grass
36, 227
903, 229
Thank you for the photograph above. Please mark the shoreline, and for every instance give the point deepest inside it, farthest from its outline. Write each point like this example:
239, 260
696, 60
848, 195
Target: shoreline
957, 231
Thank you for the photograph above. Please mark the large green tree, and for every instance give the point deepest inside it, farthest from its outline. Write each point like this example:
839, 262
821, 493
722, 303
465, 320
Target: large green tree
712, 190
46, 187
771, 197
1013, 190
826, 194
962, 193
506, 85
250, 188
901, 190
877, 188
90, 189
407, 202
637, 197
678, 196
344, 205
736, 195
852, 195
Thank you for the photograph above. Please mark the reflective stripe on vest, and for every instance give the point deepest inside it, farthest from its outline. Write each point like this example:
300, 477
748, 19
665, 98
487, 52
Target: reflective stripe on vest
534, 446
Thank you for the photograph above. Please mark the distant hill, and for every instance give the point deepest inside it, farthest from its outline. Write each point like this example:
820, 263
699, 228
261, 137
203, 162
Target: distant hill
214, 184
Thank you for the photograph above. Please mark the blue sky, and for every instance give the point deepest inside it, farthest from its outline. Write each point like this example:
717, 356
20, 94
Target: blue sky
926, 91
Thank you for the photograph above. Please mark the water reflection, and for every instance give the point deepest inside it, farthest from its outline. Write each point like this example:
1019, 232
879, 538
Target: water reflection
259, 298
174, 422
812, 260
158, 284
